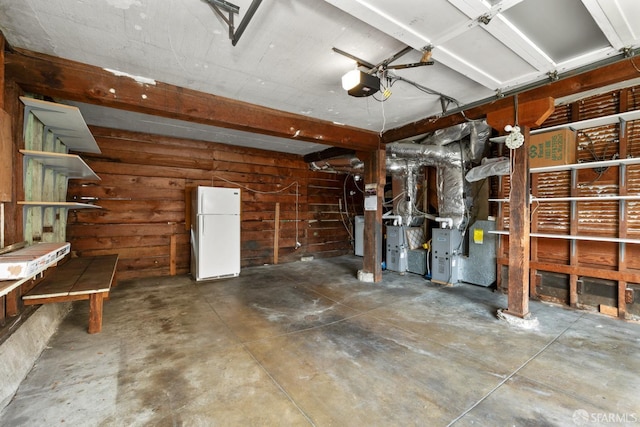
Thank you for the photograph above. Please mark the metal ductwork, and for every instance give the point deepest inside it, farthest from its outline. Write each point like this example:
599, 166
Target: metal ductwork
449, 160
449, 150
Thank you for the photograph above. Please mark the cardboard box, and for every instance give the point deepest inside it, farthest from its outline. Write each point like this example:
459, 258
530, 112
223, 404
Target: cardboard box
552, 148
31, 260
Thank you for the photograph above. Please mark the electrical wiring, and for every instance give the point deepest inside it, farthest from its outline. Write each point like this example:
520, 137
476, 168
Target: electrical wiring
591, 148
390, 203
346, 208
297, 185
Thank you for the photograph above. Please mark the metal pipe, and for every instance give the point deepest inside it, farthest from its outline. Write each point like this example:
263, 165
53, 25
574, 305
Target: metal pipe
253, 7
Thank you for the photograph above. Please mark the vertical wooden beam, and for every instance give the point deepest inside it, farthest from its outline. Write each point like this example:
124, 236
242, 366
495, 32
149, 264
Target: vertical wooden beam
13, 302
276, 234
95, 312
519, 228
623, 139
375, 178
172, 255
2, 45
530, 113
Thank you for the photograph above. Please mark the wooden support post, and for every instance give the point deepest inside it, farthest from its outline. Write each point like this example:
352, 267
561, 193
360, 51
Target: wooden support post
13, 302
2, 42
375, 179
172, 256
95, 312
276, 234
519, 228
531, 113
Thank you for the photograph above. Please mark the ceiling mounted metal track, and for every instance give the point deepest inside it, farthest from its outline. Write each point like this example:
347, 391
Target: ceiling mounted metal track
220, 7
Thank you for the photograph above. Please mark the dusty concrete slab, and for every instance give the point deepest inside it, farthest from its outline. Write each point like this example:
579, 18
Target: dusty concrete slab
309, 344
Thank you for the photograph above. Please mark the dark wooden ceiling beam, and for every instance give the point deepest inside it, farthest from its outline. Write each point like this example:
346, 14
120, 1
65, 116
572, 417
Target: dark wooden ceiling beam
60, 78
608, 74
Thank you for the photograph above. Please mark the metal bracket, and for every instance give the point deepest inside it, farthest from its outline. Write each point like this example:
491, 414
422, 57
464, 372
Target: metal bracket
221, 6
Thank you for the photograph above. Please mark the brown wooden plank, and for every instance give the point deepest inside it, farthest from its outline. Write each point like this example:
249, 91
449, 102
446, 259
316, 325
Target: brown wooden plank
55, 299
375, 174
598, 273
97, 277
95, 312
75, 81
61, 282
276, 234
6, 156
172, 256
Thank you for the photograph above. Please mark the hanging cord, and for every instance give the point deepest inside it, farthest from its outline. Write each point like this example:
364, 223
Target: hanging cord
346, 208
591, 147
298, 244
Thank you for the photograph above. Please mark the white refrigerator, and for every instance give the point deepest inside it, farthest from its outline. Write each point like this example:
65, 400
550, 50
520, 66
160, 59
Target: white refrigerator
215, 232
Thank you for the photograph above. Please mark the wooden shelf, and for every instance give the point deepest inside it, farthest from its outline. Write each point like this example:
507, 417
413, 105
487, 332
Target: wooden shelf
65, 121
70, 165
584, 124
64, 205
598, 121
568, 237
587, 165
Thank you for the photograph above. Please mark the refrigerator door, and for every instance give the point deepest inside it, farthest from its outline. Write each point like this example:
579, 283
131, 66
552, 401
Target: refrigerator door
218, 241
217, 200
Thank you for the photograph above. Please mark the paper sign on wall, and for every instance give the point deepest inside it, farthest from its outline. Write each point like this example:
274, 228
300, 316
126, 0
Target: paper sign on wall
478, 236
370, 197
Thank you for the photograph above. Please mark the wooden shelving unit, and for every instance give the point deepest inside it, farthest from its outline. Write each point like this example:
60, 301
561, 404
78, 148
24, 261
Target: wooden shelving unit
64, 121
64, 205
51, 130
70, 165
574, 268
577, 199
584, 124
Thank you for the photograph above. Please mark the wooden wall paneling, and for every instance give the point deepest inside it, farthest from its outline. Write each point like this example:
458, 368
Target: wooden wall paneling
135, 221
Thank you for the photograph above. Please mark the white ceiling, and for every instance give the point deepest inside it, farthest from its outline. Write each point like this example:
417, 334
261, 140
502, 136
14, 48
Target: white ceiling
284, 60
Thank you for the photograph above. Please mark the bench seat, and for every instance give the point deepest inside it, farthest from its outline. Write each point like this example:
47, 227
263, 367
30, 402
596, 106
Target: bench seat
79, 279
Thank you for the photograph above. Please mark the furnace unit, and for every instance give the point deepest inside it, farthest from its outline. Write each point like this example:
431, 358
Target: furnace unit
446, 250
396, 249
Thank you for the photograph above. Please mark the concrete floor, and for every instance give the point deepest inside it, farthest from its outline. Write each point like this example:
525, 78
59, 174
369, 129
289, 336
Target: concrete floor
308, 344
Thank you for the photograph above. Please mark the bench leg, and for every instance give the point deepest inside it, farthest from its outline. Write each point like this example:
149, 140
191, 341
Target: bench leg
95, 312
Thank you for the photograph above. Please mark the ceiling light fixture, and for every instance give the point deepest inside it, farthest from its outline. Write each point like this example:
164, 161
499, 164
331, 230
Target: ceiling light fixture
359, 84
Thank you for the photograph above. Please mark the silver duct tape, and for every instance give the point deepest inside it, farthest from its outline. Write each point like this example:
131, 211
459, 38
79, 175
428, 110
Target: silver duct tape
487, 169
452, 202
480, 132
